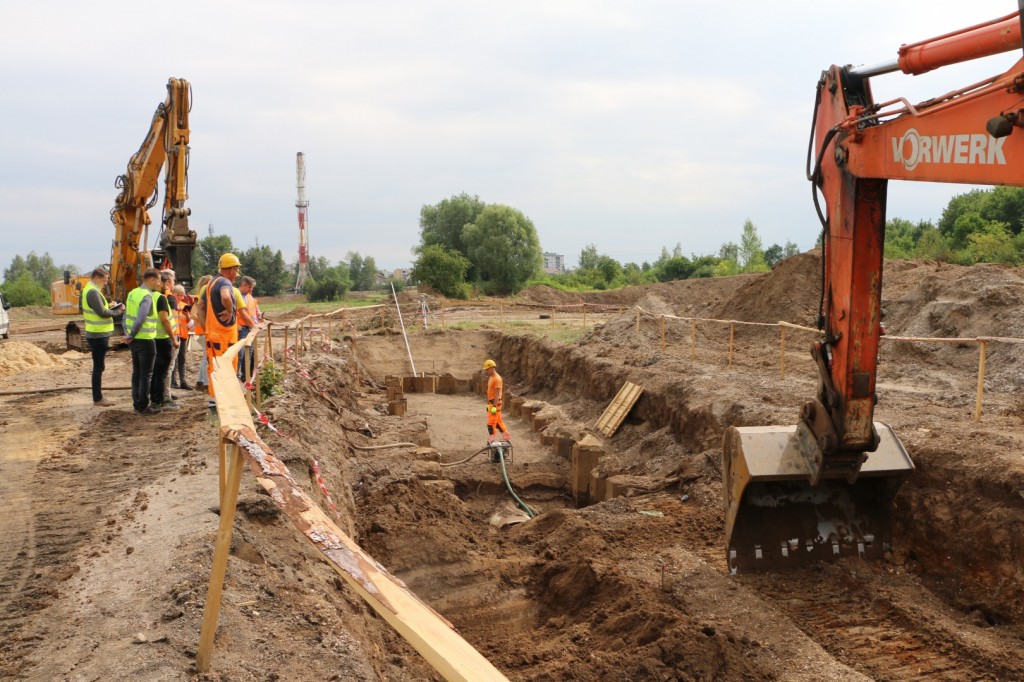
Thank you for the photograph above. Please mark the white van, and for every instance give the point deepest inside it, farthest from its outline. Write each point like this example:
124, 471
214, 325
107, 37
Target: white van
5, 324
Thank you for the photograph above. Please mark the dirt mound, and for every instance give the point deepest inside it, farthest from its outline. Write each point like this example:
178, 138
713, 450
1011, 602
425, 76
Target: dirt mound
542, 294
30, 312
19, 356
790, 292
655, 305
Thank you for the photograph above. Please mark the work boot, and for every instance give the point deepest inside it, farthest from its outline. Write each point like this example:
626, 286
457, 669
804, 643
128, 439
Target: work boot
174, 384
103, 402
150, 410
168, 405
185, 387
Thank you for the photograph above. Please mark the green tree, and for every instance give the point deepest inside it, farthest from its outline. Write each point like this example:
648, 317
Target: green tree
790, 250
41, 269
333, 284
363, 271
317, 267
504, 248
674, 268
267, 267
773, 255
443, 223
704, 266
992, 244
751, 253
208, 251
589, 258
25, 290
443, 270
729, 251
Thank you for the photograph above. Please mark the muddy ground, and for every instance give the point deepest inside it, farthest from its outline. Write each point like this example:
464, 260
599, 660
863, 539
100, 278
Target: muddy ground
108, 519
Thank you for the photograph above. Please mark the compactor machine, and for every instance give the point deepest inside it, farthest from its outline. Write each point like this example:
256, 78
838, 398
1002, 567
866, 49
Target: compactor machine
826, 487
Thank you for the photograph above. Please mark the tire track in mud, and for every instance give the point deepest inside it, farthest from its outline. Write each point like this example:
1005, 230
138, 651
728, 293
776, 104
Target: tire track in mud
891, 630
62, 480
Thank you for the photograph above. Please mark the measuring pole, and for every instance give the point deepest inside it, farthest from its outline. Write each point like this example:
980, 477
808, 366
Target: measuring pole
404, 335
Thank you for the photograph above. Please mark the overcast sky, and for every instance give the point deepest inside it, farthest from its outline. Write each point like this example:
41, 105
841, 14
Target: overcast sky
630, 125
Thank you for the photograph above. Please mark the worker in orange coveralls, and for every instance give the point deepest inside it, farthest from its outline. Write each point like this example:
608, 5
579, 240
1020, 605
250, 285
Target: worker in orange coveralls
495, 387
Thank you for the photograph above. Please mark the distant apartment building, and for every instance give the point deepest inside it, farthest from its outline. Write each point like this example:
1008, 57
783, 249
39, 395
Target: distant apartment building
554, 263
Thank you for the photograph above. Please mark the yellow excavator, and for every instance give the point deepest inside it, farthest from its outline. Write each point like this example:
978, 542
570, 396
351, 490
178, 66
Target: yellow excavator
826, 487
165, 147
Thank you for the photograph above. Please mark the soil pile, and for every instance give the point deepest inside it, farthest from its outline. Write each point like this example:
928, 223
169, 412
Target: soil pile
790, 293
19, 356
542, 294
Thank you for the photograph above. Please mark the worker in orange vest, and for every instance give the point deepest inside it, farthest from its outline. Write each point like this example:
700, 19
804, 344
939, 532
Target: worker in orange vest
185, 324
220, 307
245, 287
495, 389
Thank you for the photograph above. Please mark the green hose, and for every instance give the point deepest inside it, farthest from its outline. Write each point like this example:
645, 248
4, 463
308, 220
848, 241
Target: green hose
508, 484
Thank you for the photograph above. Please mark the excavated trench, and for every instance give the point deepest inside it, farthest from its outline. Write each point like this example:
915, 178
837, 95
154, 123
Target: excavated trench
622, 574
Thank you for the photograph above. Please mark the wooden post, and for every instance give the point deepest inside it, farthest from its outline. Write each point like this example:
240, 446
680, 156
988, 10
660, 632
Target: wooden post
284, 355
245, 361
982, 351
782, 352
220, 562
255, 354
693, 339
732, 327
442, 315
270, 340
222, 470
663, 333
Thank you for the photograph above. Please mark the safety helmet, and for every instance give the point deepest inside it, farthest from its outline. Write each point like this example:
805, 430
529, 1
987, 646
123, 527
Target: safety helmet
228, 260
489, 363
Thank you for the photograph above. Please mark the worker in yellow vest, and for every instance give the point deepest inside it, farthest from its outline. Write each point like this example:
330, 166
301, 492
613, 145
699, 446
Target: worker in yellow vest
252, 304
99, 327
166, 343
140, 323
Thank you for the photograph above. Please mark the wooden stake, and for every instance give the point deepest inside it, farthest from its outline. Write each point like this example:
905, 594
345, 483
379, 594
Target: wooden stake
693, 339
982, 351
270, 340
782, 352
220, 562
663, 333
246, 354
222, 471
732, 328
255, 354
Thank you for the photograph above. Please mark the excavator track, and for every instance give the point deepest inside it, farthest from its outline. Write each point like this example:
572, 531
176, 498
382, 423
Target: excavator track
856, 614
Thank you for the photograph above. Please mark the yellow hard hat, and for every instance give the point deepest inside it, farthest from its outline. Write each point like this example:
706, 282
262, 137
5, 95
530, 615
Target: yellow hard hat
228, 260
488, 364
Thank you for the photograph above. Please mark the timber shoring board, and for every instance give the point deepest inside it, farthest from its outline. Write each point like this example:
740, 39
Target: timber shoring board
613, 417
427, 631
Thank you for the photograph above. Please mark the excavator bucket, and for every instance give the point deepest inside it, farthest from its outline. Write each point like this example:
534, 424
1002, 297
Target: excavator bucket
777, 519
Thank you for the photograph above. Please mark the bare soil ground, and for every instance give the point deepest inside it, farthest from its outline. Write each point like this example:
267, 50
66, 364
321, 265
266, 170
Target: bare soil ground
107, 522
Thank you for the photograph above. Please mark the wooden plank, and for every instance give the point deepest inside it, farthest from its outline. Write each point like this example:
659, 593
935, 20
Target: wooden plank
429, 633
616, 412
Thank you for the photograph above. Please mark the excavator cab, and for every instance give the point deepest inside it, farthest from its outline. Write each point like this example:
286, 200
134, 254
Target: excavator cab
784, 509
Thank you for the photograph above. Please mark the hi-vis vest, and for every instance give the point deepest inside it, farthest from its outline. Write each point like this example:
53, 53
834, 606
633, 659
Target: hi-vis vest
161, 333
148, 328
95, 324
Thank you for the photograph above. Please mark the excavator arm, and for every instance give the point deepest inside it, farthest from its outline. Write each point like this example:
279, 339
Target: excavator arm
165, 147
826, 487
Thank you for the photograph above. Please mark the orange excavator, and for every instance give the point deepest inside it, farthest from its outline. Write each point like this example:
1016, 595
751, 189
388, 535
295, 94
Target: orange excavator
826, 487
165, 147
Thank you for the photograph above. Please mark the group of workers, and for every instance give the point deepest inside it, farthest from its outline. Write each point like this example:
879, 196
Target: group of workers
159, 318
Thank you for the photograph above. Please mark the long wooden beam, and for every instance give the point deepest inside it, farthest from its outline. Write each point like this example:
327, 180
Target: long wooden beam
429, 633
